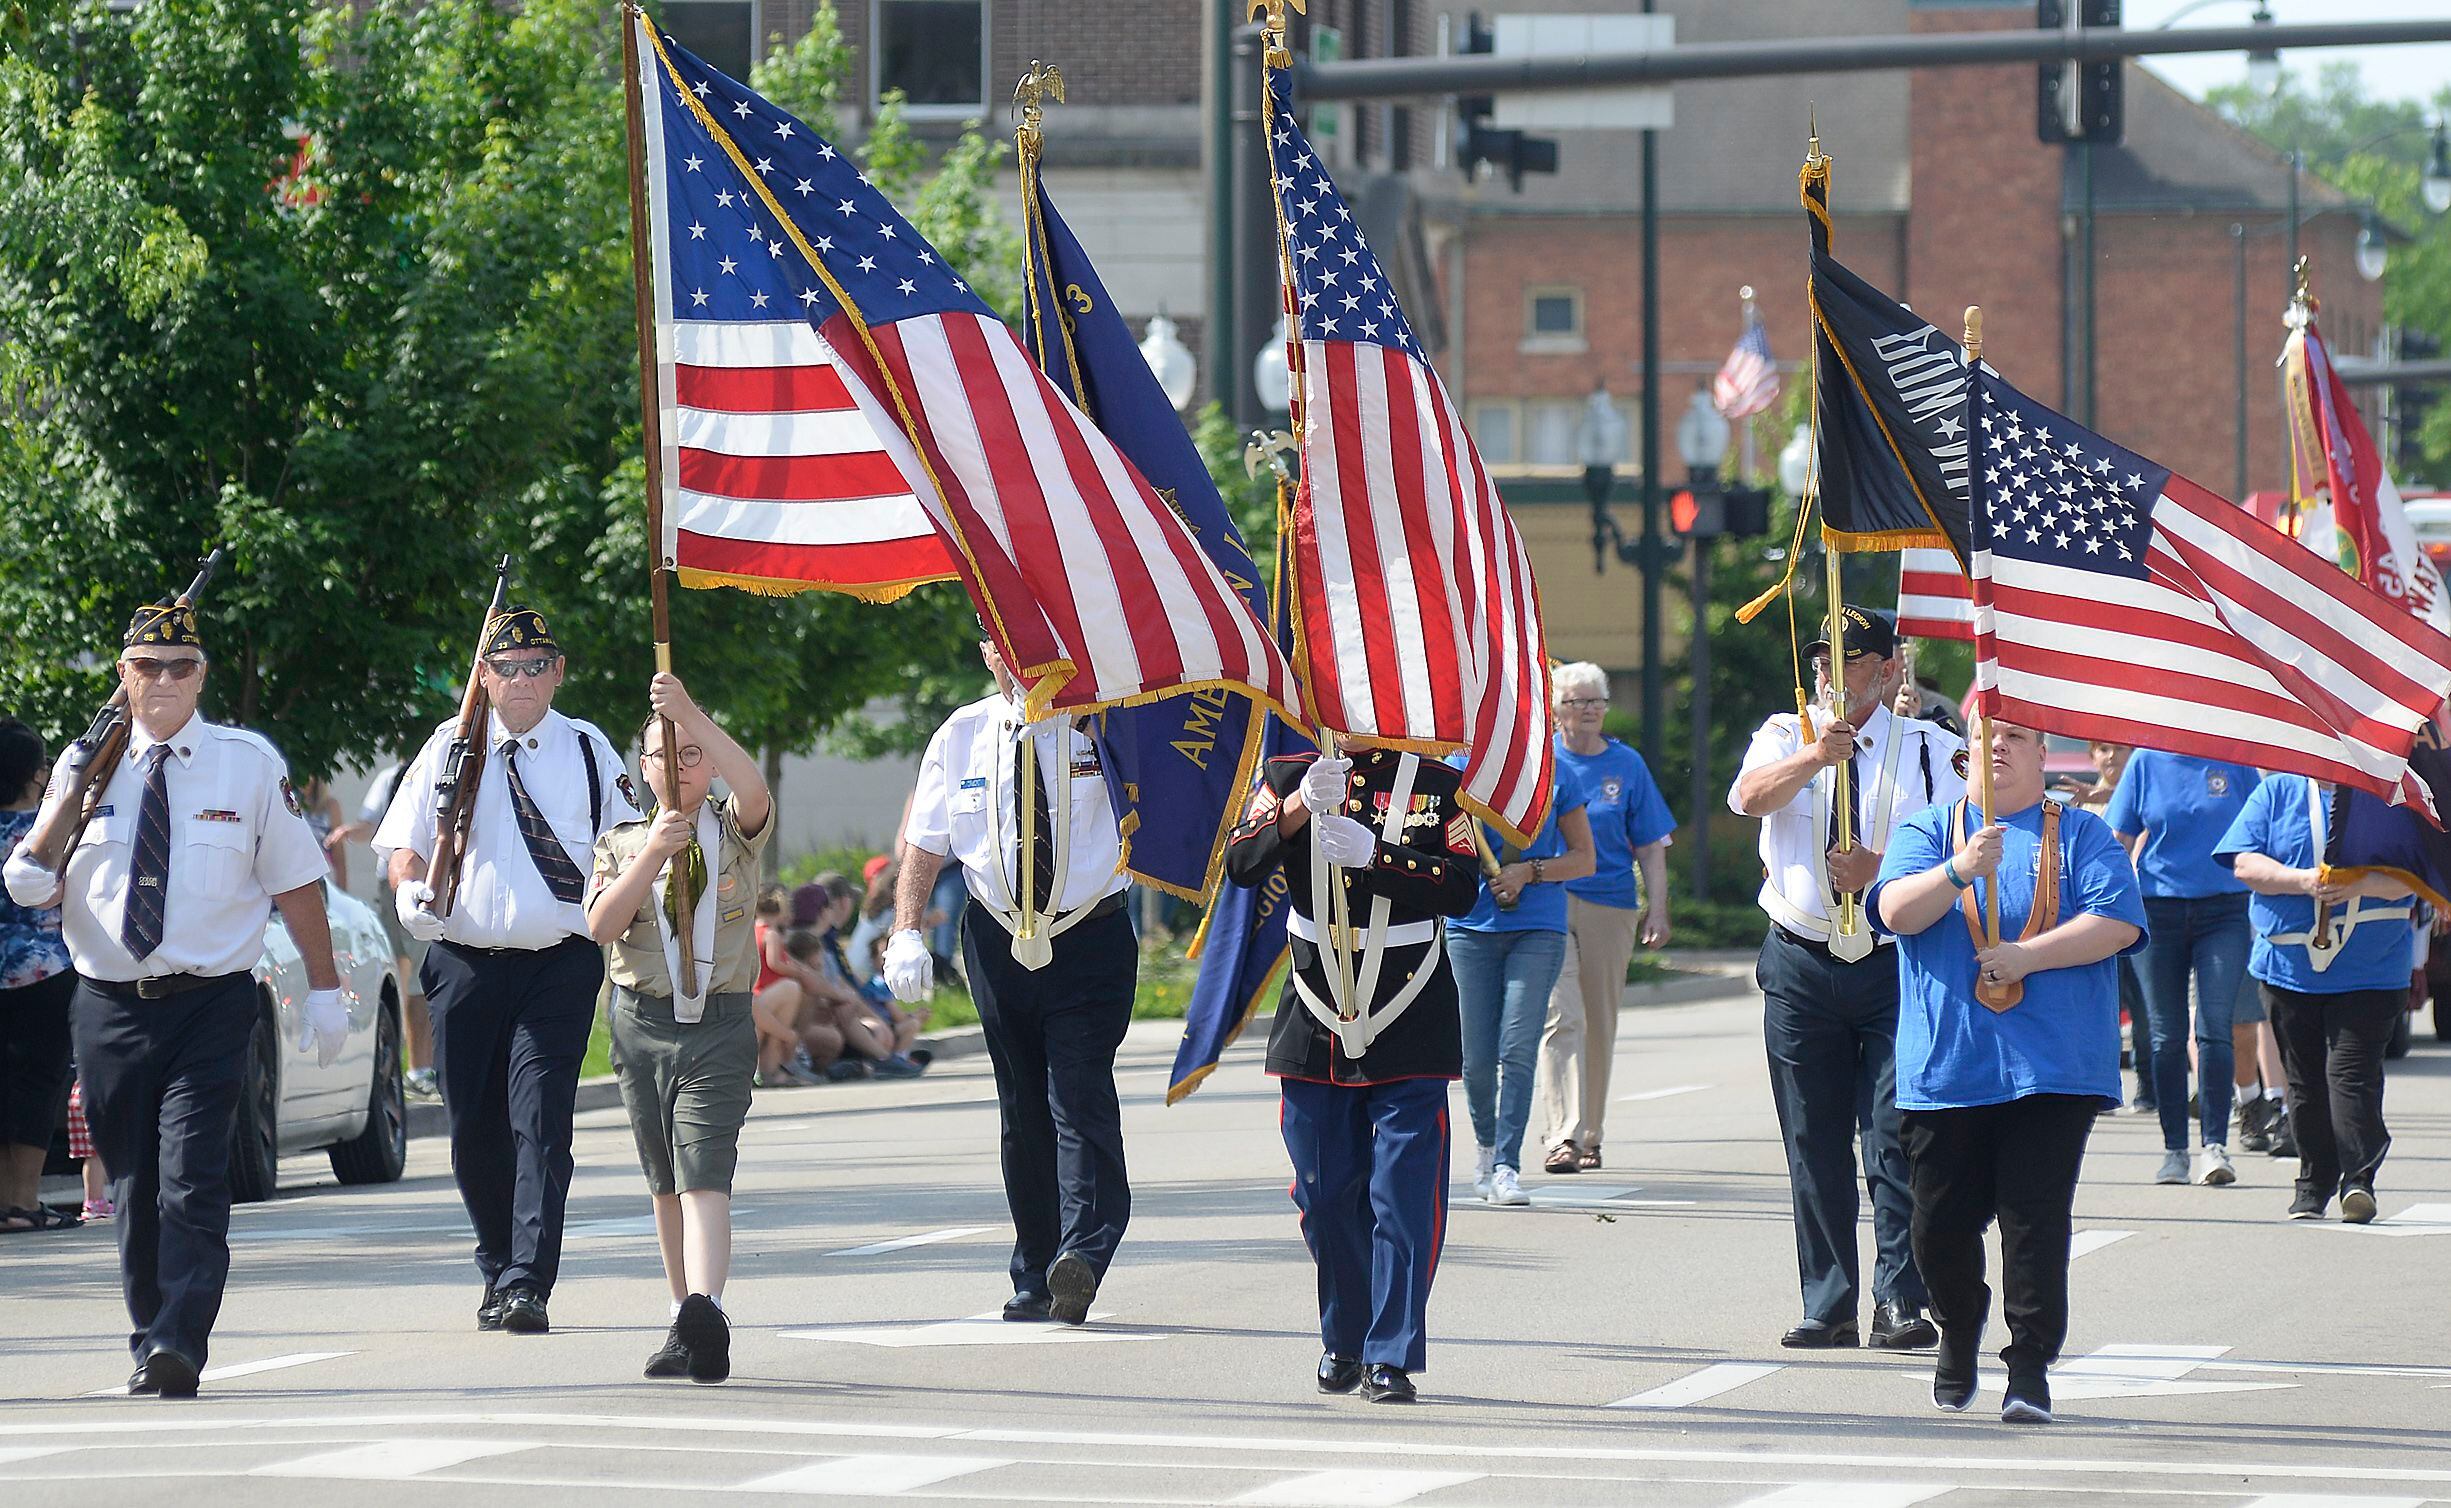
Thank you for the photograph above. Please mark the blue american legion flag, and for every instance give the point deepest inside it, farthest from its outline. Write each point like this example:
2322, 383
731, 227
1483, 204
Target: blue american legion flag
2115, 599
827, 384
1176, 767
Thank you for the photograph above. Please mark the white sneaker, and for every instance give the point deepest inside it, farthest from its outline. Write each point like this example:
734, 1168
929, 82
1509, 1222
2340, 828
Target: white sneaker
1506, 1188
2213, 1166
2174, 1168
1481, 1177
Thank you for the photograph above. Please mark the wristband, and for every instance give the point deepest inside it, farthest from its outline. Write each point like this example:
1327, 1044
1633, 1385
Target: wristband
1948, 867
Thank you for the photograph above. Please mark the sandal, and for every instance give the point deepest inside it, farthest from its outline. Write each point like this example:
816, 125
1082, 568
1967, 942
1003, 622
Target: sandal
13, 1220
1588, 1160
43, 1217
1563, 1159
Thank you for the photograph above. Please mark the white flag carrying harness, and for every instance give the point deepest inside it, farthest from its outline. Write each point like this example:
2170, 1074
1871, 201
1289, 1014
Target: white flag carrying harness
1849, 947
689, 997
1037, 950
2325, 946
1354, 1023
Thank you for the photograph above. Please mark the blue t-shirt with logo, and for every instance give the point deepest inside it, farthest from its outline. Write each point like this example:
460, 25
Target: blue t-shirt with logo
1541, 908
2182, 805
2277, 824
1626, 812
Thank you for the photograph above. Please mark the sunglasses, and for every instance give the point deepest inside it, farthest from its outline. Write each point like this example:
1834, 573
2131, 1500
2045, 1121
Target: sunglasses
150, 669
511, 670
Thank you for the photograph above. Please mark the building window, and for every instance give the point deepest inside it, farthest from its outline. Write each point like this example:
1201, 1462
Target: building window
935, 52
1553, 319
723, 32
1493, 432
1550, 430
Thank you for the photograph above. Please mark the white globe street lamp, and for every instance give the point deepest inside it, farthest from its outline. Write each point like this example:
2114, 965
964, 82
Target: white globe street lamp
1270, 377
1799, 468
1170, 361
1702, 435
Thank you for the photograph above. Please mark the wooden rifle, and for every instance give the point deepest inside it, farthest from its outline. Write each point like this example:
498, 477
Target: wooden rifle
96, 753
455, 789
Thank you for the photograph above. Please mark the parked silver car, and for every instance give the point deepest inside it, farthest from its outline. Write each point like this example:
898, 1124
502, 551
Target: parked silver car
356, 1110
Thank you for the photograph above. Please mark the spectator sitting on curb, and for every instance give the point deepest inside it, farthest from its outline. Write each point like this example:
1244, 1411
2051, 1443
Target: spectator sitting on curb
870, 1043
797, 1043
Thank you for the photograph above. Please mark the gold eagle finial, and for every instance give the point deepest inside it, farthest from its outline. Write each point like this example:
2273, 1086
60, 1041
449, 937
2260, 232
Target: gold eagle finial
1042, 83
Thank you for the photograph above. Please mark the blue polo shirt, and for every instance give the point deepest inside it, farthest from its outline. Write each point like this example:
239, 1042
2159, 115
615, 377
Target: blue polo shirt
2277, 824
2182, 805
1542, 908
1626, 812
2063, 1037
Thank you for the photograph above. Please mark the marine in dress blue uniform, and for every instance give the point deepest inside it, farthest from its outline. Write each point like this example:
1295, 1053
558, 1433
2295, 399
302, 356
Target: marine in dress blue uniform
163, 904
1365, 1081
511, 975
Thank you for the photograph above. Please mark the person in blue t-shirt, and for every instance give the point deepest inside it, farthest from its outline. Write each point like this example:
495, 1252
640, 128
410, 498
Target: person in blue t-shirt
2171, 809
1997, 1099
2332, 1007
1606, 911
1507, 952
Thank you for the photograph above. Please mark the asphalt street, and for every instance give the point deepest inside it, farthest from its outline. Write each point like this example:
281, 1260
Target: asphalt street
1615, 1343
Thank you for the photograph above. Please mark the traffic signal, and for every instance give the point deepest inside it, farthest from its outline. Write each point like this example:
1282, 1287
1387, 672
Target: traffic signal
1745, 511
1718, 512
1476, 141
2079, 101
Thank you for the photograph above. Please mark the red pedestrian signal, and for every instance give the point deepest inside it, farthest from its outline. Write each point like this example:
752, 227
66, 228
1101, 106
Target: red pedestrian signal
1684, 512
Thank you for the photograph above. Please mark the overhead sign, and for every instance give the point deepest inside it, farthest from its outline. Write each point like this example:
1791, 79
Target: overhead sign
1632, 109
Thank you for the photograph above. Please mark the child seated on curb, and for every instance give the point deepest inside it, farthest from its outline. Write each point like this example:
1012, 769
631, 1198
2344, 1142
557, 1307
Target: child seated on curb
686, 1055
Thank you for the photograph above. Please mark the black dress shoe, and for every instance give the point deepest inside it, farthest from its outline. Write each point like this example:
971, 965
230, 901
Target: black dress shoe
489, 1313
523, 1312
1073, 1284
1820, 1335
672, 1358
1026, 1308
1382, 1383
708, 1336
1339, 1374
1898, 1326
164, 1374
1953, 1371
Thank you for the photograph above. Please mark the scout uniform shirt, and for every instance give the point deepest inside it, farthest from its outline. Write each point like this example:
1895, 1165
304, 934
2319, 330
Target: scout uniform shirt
967, 806
580, 788
237, 839
1926, 766
636, 959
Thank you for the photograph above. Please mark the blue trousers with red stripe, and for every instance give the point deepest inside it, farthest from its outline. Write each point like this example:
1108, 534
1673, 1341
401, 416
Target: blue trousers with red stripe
1370, 1177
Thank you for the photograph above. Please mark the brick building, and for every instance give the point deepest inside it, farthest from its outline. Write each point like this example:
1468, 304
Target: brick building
1942, 195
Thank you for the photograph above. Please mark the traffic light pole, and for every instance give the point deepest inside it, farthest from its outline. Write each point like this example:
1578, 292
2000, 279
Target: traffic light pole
1698, 654
1655, 726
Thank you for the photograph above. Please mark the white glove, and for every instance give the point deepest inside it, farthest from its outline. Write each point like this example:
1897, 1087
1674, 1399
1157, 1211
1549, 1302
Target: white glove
325, 1025
1345, 841
414, 902
910, 969
29, 884
1323, 784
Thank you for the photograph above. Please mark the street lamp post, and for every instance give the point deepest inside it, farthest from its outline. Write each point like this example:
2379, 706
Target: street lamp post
1170, 361
1702, 443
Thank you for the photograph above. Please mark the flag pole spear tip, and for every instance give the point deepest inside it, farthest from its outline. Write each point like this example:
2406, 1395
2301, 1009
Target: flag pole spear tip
1974, 333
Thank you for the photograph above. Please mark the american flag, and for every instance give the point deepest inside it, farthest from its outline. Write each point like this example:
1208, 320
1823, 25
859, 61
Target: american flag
836, 401
1748, 381
1934, 599
1418, 621
2116, 599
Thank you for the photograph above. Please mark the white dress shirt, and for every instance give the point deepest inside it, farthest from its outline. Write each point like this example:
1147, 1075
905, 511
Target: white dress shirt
503, 901
237, 839
967, 804
1929, 770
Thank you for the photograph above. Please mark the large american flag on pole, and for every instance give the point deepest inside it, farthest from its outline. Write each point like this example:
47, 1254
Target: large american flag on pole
840, 409
1934, 599
2115, 599
1417, 621
1748, 381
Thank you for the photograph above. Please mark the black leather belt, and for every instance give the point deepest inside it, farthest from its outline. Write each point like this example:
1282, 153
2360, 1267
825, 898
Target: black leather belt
161, 986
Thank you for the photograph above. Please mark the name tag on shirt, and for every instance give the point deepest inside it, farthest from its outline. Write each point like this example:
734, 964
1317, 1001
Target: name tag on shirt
975, 783
103, 810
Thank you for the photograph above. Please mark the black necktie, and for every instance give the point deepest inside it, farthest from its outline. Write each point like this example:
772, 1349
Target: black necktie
552, 860
1042, 826
140, 926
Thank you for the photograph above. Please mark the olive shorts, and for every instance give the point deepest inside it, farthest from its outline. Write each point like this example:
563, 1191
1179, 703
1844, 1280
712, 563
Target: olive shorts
686, 1087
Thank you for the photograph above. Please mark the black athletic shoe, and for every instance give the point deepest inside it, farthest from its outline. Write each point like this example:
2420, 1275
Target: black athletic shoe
1953, 1370
672, 1358
702, 1329
2028, 1399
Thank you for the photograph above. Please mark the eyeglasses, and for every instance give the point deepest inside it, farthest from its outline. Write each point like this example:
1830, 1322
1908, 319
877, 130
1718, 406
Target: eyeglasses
511, 670
691, 754
1578, 703
150, 669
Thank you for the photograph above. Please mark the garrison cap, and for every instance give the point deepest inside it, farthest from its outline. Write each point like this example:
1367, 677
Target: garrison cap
516, 629
1869, 632
163, 623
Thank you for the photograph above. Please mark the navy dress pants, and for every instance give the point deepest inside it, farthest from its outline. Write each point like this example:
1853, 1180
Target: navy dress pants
1370, 1177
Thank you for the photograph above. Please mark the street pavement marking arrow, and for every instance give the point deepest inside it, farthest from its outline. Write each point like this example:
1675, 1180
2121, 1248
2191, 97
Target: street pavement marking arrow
2138, 1372
989, 1329
2416, 1220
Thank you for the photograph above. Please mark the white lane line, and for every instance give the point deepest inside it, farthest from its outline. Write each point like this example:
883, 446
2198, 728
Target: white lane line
2330, 1500
2133, 1371
871, 1476
1662, 1094
1695, 1387
391, 1460
904, 1243
239, 1369
10, 1453
989, 1329
1352, 1489
1847, 1495
2088, 1242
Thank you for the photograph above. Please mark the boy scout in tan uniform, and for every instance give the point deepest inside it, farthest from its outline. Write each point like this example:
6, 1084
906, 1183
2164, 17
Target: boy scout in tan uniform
686, 1056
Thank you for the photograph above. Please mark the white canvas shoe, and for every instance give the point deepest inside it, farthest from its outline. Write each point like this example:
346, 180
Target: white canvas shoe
1480, 1177
2213, 1166
1506, 1188
2174, 1167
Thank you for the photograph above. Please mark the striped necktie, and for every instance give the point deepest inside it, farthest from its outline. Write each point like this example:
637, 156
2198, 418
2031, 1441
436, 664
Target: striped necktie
552, 860
140, 925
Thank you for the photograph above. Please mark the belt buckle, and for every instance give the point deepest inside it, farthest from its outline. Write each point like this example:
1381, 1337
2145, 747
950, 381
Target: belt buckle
153, 987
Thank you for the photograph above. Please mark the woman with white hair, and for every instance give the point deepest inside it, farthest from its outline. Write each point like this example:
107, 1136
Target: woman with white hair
1606, 912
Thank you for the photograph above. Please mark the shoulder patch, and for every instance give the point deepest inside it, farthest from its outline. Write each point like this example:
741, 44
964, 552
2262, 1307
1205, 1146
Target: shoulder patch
1959, 764
629, 792
289, 794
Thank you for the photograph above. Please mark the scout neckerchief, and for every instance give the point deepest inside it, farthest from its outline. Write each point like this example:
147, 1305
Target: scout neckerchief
1873, 833
2324, 944
1038, 950
1358, 1022
689, 996
2041, 916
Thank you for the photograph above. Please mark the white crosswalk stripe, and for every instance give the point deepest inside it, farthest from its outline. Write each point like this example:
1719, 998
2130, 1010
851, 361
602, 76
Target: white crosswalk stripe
872, 1476
1353, 1488
392, 1460
1849, 1495
1695, 1387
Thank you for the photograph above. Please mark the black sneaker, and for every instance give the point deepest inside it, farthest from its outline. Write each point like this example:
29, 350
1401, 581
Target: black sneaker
707, 1335
2255, 1125
2356, 1206
1953, 1370
672, 1358
2308, 1207
2284, 1140
2027, 1401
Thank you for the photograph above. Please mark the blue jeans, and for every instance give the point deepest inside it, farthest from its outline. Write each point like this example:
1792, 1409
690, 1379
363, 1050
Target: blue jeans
1502, 982
2208, 935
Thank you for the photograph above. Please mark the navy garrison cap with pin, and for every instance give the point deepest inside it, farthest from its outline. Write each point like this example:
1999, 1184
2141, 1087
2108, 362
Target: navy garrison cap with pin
163, 624
516, 629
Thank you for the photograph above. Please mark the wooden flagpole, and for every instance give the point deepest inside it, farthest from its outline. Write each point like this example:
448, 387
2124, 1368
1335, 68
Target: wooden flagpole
650, 408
